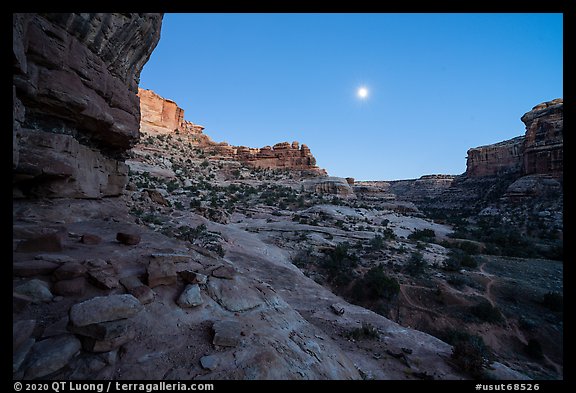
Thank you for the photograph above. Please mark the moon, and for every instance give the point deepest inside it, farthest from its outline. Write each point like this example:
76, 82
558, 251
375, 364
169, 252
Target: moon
362, 93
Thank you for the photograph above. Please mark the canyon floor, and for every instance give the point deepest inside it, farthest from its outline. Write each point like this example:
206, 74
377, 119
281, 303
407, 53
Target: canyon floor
293, 278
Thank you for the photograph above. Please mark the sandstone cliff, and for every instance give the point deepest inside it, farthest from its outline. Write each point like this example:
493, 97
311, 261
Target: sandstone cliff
161, 116
539, 151
544, 144
75, 104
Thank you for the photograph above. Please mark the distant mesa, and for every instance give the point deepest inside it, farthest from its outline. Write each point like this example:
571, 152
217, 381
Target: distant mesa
161, 116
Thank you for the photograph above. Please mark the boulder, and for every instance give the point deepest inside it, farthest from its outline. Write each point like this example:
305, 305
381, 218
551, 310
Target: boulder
90, 239
33, 268
22, 331
226, 272
19, 355
49, 242
50, 355
129, 239
103, 309
36, 290
69, 271
137, 289
73, 287
103, 330
190, 297
104, 277
162, 270
226, 333
92, 345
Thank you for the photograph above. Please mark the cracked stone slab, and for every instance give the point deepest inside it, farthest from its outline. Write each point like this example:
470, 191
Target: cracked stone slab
226, 333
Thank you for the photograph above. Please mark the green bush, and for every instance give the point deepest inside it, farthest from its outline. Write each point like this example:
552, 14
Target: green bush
426, 235
377, 243
376, 285
416, 265
469, 356
367, 331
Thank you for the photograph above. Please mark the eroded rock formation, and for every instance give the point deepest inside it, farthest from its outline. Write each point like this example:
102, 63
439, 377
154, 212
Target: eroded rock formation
496, 159
161, 116
75, 105
539, 151
544, 143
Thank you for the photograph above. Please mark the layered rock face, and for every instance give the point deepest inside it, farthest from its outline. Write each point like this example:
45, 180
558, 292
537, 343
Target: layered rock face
282, 155
75, 105
538, 152
544, 144
161, 116
496, 159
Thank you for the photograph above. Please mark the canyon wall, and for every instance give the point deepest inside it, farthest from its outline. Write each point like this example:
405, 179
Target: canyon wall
75, 79
496, 159
544, 143
538, 152
161, 116
526, 166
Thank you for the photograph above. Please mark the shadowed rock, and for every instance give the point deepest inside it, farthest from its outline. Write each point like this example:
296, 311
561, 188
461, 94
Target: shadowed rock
226, 333
129, 239
49, 242
190, 297
33, 268
103, 309
50, 355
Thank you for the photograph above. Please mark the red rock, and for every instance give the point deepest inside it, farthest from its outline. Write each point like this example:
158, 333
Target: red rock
137, 289
157, 197
104, 278
50, 242
69, 271
130, 239
73, 287
91, 345
33, 268
539, 152
78, 70
161, 116
226, 272
88, 238
161, 271
544, 145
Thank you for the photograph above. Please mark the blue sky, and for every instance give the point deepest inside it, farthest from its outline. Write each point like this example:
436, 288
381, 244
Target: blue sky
438, 84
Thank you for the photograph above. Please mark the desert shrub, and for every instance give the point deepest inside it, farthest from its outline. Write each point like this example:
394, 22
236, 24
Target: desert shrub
172, 185
416, 265
195, 203
458, 259
553, 301
376, 285
486, 312
204, 163
469, 247
339, 263
471, 356
377, 243
367, 331
426, 235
